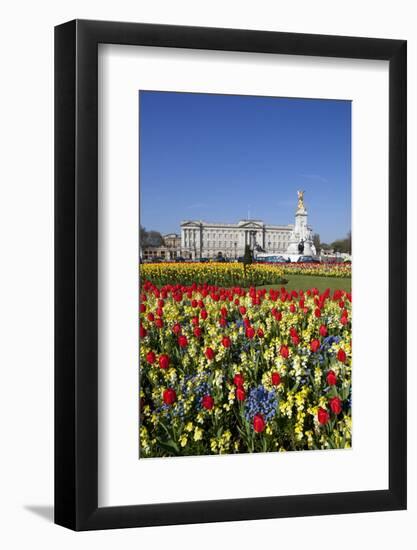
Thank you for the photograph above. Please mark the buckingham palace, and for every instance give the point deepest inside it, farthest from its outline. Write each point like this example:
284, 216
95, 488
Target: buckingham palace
203, 239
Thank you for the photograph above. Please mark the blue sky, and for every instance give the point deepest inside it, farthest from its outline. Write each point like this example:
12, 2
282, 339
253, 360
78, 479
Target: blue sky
216, 157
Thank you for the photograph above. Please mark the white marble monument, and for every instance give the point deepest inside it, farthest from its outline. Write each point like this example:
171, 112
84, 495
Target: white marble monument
301, 238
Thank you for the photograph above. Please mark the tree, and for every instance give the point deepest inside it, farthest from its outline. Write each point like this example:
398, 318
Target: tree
343, 245
340, 245
154, 238
150, 238
248, 257
316, 241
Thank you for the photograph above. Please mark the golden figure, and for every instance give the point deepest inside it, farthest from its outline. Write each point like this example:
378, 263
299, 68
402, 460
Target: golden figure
300, 205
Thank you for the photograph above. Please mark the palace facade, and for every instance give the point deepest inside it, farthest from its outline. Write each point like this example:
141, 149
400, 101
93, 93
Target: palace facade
201, 239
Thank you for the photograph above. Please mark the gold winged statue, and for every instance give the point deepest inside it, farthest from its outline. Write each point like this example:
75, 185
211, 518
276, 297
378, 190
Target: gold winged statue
300, 205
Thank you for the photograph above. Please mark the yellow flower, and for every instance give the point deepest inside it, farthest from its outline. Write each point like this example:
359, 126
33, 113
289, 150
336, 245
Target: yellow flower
198, 434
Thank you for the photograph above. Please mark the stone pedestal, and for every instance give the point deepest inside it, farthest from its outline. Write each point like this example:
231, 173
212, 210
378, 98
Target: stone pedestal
301, 233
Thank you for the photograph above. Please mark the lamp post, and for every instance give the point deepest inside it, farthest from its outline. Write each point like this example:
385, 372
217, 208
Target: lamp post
252, 242
235, 250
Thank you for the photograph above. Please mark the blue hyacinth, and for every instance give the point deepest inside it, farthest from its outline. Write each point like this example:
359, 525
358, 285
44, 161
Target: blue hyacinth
198, 389
261, 401
329, 341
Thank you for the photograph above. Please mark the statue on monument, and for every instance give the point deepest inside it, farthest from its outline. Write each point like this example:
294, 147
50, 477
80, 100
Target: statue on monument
300, 205
301, 246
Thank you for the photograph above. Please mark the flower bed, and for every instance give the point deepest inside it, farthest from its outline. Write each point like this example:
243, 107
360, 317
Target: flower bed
234, 274
221, 274
318, 270
226, 370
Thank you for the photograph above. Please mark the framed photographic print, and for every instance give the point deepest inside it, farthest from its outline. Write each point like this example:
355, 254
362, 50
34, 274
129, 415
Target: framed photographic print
230, 275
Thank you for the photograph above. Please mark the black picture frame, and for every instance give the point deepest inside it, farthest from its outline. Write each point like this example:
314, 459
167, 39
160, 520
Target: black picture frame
76, 272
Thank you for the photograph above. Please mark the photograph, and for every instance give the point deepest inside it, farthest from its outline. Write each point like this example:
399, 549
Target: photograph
245, 255
192, 200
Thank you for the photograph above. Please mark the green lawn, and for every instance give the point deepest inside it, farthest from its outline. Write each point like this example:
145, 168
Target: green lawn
304, 282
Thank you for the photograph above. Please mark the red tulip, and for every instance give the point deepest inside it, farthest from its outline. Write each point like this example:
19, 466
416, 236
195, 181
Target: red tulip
275, 378
197, 332
169, 396
295, 339
322, 416
341, 356
323, 330
182, 341
260, 333
209, 353
240, 394
315, 345
226, 342
208, 402
331, 378
142, 331
164, 361
258, 423
151, 357
250, 332
335, 405
284, 351
176, 329
238, 380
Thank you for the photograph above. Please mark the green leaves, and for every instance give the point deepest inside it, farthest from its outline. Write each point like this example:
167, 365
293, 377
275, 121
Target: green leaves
344, 393
169, 446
